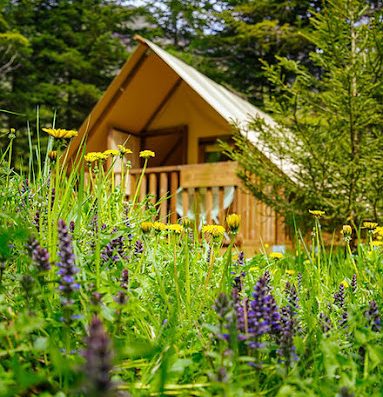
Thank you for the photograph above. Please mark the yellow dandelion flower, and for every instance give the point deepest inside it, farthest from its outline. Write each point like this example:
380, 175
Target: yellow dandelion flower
186, 222
159, 226
175, 227
370, 225
377, 243
146, 154
214, 230
378, 232
52, 155
60, 133
276, 255
123, 150
95, 156
146, 227
317, 213
290, 272
111, 152
345, 284
346, 230
233, 221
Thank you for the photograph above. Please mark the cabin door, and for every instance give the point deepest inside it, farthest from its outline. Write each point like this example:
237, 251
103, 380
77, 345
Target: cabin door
169, 144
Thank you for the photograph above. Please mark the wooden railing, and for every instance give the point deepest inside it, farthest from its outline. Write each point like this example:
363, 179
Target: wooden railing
202, 185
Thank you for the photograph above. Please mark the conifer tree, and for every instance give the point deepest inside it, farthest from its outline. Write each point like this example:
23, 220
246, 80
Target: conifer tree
329, 125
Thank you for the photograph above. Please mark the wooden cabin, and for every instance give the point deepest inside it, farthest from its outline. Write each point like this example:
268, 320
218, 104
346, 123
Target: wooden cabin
158, 102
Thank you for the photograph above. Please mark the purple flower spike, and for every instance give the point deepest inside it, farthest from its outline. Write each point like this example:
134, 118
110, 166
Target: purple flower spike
263, 315
40, 256
373, 316
67, 268
114, 250
98, 356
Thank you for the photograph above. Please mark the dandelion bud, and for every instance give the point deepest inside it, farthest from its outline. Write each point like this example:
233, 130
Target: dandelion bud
52, 155
233, 221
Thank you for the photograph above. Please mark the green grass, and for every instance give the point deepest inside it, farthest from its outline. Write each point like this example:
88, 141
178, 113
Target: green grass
166, 336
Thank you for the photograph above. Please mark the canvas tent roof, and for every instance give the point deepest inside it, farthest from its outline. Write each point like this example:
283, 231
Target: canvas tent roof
228, 105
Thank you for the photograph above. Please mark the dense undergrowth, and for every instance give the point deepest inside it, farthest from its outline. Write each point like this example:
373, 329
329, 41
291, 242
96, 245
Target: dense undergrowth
98, 300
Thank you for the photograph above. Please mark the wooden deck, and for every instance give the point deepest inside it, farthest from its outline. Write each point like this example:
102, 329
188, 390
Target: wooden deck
204, 191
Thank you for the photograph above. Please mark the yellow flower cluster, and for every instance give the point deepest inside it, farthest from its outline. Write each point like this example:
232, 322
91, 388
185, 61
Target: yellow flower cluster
370, 225
123, 150
214, 230
317, 213
276, 255
159, 226
233, 221
60, 133
112, 152
378, 232
346, 230
95, 156
146, 227
175, 228
146, 154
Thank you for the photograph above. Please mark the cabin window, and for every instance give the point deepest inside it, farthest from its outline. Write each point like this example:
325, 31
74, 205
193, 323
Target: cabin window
210, 150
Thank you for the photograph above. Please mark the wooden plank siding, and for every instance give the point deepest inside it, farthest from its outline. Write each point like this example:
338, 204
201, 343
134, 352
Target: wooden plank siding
260, 224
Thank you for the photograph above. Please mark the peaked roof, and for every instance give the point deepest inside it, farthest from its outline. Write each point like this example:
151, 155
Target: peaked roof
228, 105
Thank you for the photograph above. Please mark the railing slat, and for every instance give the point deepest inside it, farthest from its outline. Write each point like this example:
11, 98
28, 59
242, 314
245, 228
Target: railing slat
221, 210
143, 188
173, 196
153, 187
209, 204
163, 194
185, 202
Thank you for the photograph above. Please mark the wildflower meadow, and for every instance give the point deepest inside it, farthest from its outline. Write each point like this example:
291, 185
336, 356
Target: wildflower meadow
100, 297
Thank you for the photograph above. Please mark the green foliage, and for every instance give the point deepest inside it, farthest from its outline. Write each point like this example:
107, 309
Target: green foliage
167, 330
75, 49
329, 125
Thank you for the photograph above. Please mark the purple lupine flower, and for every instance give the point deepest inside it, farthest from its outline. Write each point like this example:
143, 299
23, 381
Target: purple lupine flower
241, 259
121, 298
354, 283
36, 220
299, 280
124, 280
95, 298
263, 315
325, 323
71, 226
129, 226
267, 277
138, 247
339, 297
114, 250
286, 335
40, 256
241, 308
373, 316
98, 356
345, 392
223, 308
292, 297
68, 270
343, 320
